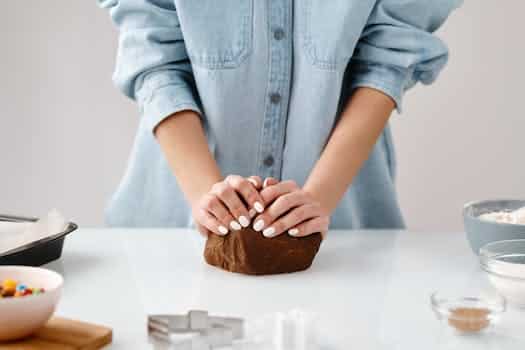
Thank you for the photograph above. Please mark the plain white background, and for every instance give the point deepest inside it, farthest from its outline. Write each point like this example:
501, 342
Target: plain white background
65, 131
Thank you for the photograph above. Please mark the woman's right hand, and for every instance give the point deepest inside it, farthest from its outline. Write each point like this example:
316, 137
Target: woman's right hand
229, 205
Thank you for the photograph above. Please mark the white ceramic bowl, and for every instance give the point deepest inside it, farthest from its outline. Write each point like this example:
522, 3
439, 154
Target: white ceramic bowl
22, 316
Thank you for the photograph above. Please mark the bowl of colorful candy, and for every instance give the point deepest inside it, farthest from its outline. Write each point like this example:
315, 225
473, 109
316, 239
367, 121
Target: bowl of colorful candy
28, 297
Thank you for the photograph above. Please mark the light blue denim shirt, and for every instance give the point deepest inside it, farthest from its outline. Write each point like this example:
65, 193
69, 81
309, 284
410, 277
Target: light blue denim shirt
269, 79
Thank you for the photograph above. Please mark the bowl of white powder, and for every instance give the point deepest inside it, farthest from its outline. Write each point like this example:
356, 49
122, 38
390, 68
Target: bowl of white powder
504, 262
493, 220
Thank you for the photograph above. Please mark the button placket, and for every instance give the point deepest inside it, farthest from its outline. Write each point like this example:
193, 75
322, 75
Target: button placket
278, 34
279, 76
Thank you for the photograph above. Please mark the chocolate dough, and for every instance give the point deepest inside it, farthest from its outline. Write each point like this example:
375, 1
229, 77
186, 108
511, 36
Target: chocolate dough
249, 252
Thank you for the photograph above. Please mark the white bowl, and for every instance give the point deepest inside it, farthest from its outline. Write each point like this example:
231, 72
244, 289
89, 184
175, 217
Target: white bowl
22, 316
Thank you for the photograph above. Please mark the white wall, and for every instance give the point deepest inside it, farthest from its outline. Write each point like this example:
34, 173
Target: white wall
65, 132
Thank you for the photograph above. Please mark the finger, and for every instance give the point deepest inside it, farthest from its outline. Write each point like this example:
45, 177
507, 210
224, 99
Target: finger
315, 225
280, 206
272, 192
215, 207
231, 200
248, 192
292, 219
203, 230
269, 181
256, 181
208, 221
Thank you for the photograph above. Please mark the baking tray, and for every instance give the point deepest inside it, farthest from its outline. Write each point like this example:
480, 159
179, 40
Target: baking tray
36, 253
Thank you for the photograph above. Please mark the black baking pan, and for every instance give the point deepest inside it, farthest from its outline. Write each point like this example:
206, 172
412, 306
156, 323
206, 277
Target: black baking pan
36, 253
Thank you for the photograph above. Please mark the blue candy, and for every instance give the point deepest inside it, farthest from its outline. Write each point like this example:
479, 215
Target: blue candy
20, 288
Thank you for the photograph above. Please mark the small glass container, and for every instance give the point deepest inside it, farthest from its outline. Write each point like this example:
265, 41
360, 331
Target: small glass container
468, 314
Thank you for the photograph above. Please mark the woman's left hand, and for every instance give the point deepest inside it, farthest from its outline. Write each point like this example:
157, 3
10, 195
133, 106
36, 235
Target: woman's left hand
290, 209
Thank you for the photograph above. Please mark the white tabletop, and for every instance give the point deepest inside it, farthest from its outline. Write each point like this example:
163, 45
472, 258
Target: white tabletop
370, 289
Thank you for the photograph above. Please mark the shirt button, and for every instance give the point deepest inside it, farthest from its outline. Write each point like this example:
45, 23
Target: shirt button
278, 34
268, 161
275, 97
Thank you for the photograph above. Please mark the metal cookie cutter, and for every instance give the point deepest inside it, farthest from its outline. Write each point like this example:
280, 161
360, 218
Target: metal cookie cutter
194, 331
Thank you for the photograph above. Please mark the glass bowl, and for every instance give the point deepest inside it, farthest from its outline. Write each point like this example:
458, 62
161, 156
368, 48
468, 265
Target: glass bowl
504, 263
468, 314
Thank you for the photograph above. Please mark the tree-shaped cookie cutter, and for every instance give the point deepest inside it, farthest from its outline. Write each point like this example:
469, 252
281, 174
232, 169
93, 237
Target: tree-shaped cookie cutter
195, 330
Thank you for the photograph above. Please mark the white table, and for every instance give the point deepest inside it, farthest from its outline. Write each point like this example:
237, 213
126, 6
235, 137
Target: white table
370, 288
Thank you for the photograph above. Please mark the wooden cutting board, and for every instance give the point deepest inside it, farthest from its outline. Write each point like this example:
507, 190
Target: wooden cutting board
64, 334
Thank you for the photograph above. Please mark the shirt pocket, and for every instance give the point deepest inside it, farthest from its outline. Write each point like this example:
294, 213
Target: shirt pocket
217, 34
329, 30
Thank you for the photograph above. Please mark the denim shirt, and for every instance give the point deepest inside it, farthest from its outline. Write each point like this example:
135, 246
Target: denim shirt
269, 80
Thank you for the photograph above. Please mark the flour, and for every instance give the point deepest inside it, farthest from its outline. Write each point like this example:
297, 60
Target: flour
506, 217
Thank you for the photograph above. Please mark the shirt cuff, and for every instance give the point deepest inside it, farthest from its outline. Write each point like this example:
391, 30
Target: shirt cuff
165, 101
162, 93
391, 80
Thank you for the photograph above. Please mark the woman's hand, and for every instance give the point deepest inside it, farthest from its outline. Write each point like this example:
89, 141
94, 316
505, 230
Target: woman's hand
290, 209
230, 204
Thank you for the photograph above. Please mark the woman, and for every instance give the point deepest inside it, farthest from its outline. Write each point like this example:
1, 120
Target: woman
296, 92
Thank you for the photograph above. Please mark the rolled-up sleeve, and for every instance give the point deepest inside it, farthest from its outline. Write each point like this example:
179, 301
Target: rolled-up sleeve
152, 64
397, 48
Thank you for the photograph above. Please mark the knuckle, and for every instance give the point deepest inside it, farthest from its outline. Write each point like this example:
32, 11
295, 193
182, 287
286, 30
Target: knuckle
286, 201
224, 218
237, 208
209, 201
252, 197
224, 190
268, 194
292, 184
298, 214
217, 185
234, 181
243, 184
256, 179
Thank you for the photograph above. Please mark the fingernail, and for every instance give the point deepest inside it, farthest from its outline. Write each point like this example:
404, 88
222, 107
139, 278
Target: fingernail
235, 225
265, 183
244, 221
269, 232
253, 181
258, 206
223, 230
252, 213
293, 232
258, 225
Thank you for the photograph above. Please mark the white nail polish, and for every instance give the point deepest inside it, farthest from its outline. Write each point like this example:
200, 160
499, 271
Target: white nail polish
293, 232
235, 225
244, 221
252, 212
253, 181
269, 232
258, 206
258, 225
223, 230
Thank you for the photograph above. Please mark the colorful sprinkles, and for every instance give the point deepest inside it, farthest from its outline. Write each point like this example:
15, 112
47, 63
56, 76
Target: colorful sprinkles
11, 288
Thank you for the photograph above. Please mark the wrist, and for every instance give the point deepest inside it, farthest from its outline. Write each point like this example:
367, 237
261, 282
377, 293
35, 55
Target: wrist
317, 194
198, 190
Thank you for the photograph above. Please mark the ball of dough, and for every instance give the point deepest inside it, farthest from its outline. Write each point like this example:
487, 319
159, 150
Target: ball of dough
249, 252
